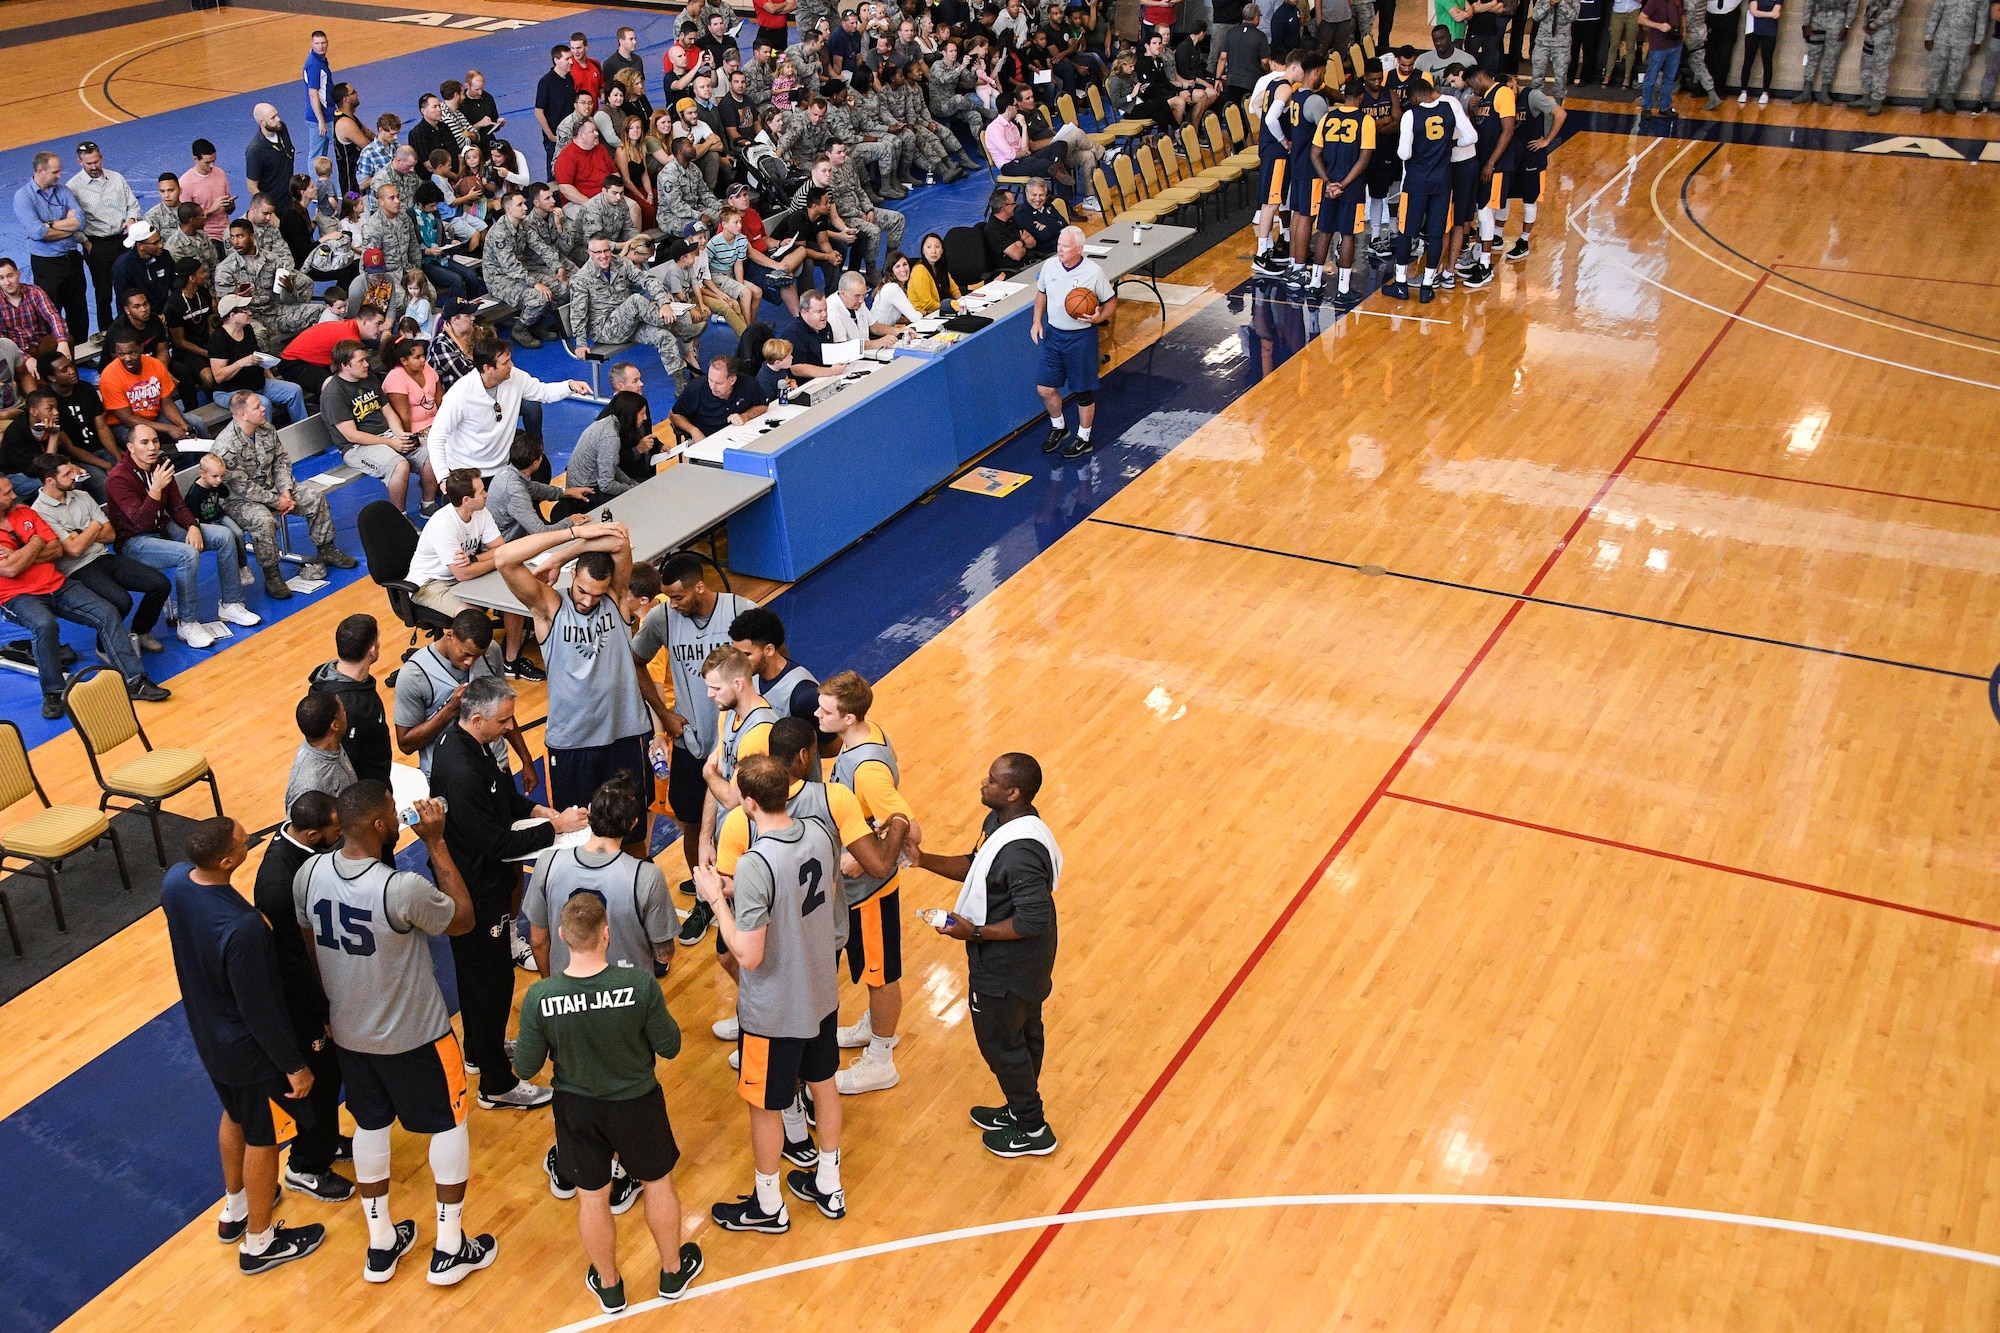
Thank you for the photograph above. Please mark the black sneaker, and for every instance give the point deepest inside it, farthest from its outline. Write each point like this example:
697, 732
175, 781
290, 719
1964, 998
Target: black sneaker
325, 1186
694, 926
806, 1185
381, 1265
745, 1215
1078, 447
1058, 436
343, 1148
625, 1192
610, 1299
146, 692
52, 706
474, 1253
1478, 278
812, 1112
559, 1187
287, 1244
674, 1285
993, 1117
802, 1153
522, 669
1013, 1141
1348, 299
1518, 250
229, 1232
686, 888
1270, 264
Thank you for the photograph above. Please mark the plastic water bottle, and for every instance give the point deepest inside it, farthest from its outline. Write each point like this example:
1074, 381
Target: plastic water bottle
659, 765
930, 176
411, 817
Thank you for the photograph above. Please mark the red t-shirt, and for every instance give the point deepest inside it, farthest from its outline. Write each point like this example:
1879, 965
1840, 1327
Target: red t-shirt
314, 346
777, 22
20, 526
585, 172
753, 231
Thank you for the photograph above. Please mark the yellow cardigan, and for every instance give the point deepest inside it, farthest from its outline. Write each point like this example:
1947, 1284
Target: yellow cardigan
923, 292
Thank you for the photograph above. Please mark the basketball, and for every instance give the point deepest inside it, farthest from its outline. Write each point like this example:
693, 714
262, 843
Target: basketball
1081, 303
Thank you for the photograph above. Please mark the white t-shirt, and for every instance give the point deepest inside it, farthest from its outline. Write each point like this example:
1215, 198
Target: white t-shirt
444, 535
1056, 282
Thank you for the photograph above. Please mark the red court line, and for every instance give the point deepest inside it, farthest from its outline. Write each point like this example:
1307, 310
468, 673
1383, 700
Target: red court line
1871, 273
1829, 485
1153, 1093
1697, 861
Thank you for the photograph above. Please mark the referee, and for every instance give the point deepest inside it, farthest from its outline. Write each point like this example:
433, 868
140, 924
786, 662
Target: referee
1006, 914
603, 1025
1069, 344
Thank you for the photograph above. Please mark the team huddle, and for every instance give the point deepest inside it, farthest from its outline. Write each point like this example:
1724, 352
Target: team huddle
1455, 155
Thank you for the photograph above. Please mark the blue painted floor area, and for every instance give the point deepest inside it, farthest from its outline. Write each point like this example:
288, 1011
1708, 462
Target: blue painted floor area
123, 1150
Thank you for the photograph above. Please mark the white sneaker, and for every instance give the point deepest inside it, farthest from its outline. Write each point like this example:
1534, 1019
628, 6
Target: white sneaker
1743, 97
238, 614
193, 635
867, 1075
246, 577
859, 1035
1763, 99
736, 1059
727, 1030
523, 1096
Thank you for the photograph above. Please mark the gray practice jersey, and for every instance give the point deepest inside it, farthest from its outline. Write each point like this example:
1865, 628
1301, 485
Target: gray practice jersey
782, 884
594, 694
734, 729
424, 685
370, 927
861, 888
688, 643
779, 695
636, 906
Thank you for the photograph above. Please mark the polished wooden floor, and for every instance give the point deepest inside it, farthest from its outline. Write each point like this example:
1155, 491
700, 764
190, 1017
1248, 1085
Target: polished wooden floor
1540, 752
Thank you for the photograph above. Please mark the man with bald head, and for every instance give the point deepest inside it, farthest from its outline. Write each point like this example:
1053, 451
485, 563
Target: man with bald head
1069, 342
269, 160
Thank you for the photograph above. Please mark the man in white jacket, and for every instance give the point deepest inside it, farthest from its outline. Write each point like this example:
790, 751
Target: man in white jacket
479, 414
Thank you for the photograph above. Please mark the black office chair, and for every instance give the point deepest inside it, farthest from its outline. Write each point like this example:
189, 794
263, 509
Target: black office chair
750, 348
965, 257
388, 542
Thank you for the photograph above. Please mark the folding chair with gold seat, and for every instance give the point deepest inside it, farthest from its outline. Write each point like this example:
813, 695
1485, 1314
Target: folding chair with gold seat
1223, 173
1140, 205
104, 719
44, 840
1123, 129
1188, 175
1157, 189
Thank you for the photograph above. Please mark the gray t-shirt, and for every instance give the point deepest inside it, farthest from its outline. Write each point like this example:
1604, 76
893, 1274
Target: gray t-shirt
314, 769
786, 885
11, 357
1246, 48
76, 512
636, 906
1430, 62
688, 643
358, 401
514, 502
426, 682
370, 926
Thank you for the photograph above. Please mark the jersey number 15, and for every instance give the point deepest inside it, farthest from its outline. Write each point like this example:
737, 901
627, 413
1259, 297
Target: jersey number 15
355, 935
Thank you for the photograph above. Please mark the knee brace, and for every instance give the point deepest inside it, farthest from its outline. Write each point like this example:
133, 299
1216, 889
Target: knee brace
1528, 214
371, 1155
451, 1156
1088, 398
1485, 224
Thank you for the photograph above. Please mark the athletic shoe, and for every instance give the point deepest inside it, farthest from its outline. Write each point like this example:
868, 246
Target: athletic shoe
325, 1186
1396, 291
245, 576
804, 1152
806, 1185
736, 1059
506, 1046
1479, 277
1270, 264
1518, 250
1057, 437
52, 706
745, 1215
229, 1232
1981, 108
868, 1074
146, 692
148, 644
1448, 280
1763, 99
522, 669
1077, 447
474, 1253
1426, 294
524, 956
1013, 1141
1348, 299
343, 1148
235, 613
729, 1029
287, 1244
812, 1111
685, 888
674, 1285
523, 1096
993, 1117
193, 635
1743, 97
610, 1299
857, 1035
625, 1192
559, 1187
1468, 259
1295, 276
1316, 286
694, 926
381, 1265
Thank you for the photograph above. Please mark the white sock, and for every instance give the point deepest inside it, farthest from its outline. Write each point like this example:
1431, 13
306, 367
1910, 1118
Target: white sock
828, 1178
256, 1242
381, 1231
768, 1202
795, 1119
451, 1226
236, 1207
1263, 246
1402, 273
1346, 277
1319, 273
1430, 277
886, 1044
1485, 225
1055, 423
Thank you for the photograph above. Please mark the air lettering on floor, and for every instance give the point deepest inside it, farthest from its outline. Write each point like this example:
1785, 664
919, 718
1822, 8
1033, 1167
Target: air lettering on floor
1917, 145
446, 19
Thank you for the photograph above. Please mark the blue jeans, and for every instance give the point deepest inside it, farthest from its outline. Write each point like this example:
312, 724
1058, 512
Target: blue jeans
317, 144
1663, 71
38, 613
175, 557
280, 391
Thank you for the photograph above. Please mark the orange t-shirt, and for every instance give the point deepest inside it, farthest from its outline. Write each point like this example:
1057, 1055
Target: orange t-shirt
141, 393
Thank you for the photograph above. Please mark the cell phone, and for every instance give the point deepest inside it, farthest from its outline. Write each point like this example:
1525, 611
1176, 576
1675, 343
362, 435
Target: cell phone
604, 515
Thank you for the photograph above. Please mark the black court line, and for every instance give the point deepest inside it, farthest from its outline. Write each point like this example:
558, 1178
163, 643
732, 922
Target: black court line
1543, 601
1688, 209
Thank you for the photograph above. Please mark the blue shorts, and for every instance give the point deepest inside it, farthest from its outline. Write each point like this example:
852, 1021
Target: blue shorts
1465, 200
1303, 186
1271, 172
1341, 215
1069, 359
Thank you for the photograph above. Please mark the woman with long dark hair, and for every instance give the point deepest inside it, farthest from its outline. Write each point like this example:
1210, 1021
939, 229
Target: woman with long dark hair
622, 435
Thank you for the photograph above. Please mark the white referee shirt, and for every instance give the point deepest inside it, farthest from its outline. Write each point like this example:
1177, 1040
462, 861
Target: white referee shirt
1056, 282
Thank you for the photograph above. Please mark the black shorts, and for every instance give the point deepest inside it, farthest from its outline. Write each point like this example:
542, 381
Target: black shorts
1384, 176
1525, 185
1465, 199
423, 1088
773, 1067
590, 1132
875, 939
575, 775
265, 1110
686, 788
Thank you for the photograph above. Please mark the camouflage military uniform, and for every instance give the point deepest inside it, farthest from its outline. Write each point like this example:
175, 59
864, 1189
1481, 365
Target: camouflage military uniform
282, 317
853, 202
258, 473
681, 196
1951, 30
514, 260
1826, 23
622, 305
846, 127
1550, 52
1881, 21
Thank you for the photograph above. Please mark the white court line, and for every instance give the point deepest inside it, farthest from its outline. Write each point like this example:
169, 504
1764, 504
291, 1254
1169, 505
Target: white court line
1631, 165
1390, 314
1298, 1201
83, 84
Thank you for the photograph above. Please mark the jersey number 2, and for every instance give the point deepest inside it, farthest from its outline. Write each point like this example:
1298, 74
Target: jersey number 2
810, 875
355, 936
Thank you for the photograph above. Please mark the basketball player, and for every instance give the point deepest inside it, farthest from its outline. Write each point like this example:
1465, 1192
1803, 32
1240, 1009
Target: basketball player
1069, 341
782, 933
598, 725
433, 680
693, 624
1430, 129
743, 728
1542, 125
638, 913
370, 928
1343, 145
791, 689
1388, 92
1274, 152
1302, 117
1494, 122
866, 766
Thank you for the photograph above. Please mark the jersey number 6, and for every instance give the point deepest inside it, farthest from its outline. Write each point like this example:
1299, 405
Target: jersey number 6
1434, 129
